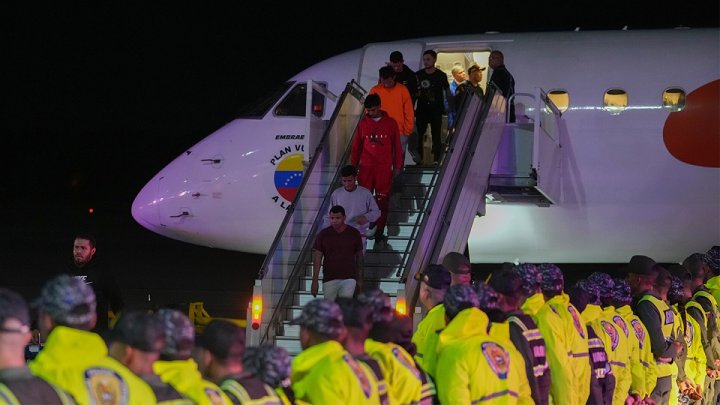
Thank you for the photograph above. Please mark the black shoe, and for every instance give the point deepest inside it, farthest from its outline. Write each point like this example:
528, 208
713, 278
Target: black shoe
380, 242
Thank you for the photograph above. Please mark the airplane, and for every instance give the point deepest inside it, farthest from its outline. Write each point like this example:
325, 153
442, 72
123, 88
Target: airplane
640, 161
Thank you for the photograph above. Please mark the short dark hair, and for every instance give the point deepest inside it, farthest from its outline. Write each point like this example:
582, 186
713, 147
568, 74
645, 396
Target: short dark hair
141, 330
88, 237
396, 56
694, 264
224, 339
337, 209
372, 100
431, 53
498, 54
386, 72
348, 170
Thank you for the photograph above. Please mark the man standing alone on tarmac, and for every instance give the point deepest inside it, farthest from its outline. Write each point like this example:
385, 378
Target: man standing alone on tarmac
339, 249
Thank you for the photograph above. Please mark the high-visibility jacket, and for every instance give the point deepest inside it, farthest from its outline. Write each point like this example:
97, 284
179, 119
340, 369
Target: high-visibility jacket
501, 332
426, 337
615, 340
659, 320
327, 374
532, 304
527, 338
19, 386
696, 361
249, 389
398, 366
643, 367
472, 367
77, 361
185, 377
713, 285
565, 336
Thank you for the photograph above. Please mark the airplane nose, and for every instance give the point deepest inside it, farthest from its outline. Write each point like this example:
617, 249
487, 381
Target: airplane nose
145, 208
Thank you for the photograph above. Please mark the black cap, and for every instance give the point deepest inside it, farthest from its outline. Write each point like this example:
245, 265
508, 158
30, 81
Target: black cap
224, 339
435, 276
642, 265
355, 314
506, 282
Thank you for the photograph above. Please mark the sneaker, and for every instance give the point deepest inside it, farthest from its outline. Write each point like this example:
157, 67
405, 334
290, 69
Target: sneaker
370, 234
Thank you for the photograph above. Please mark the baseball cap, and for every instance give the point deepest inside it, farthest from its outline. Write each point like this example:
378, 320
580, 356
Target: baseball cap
396, 56
322, 316
13, 306
506, 282
458, 298
68, 300
621, 292
223, 339
474, 68
269, 363
140, 330
379, 303
642, 265
179, 334
355, 314
457, 263
712, 258
488, 298
592, 289
604, 283
552, 277
530, 276
435, 276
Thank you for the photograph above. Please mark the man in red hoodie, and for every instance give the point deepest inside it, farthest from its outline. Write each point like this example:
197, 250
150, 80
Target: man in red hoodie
377, 153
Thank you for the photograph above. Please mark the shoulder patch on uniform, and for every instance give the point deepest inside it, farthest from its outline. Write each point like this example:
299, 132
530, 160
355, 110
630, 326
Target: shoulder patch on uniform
610, 330
620, 321
669, 316
639, 331
689, 332
214, 396
360, 374
576, 320
497, 358
106, 386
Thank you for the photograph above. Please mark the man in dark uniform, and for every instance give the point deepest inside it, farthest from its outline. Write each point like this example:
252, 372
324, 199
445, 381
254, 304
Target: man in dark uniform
17, 384
85, 267
502, 79
658, 319
406, 76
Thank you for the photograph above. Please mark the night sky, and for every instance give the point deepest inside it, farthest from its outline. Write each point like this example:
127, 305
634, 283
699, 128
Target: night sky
99, 97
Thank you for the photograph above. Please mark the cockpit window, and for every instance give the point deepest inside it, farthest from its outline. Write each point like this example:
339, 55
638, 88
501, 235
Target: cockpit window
258, 108
674, 99
293, 105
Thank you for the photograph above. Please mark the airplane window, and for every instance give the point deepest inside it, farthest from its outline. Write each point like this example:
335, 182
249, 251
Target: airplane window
560, 98
293, 105
258, 108
615, 100
674, 99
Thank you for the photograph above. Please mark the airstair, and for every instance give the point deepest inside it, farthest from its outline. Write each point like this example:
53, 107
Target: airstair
430, 215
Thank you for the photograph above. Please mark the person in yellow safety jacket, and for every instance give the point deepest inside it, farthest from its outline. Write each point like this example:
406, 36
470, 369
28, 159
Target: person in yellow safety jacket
531, 281
500, 330
177, 368
434, 282
399, 332
658, 319
663, 285
76, 359
612, 332
324, 372
271, 364
473, 367
712, 260
643, 367
565, 336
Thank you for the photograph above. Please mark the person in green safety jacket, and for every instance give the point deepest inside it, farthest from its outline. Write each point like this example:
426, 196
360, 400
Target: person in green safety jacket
272, 365
643, 367
76, 359
658, 318
136, 341
531, 285
324, 372
17, 384
472, 367
176, 365
404, 378
566, 337
689, 381
434, 282
707, 318
218, 352
712, 260
500, 330
611, 329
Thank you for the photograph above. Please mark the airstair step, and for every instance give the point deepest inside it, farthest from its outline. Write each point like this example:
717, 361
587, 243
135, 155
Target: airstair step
388, 285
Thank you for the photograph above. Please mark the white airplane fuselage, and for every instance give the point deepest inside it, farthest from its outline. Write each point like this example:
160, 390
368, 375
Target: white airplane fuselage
642, 181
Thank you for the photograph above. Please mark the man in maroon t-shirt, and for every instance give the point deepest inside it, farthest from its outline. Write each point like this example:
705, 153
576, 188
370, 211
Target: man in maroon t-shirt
339, 249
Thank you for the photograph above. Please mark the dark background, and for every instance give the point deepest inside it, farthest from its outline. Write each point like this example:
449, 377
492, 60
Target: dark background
99, 97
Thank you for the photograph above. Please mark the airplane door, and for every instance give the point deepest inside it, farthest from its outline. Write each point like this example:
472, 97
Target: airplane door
547, 148
376, 56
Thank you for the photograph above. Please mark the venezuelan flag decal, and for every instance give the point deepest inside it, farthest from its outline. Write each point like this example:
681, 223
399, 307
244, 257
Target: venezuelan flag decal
289, 175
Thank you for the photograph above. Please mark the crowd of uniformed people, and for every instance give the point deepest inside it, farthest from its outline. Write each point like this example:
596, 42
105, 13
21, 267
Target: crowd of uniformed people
516, 337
